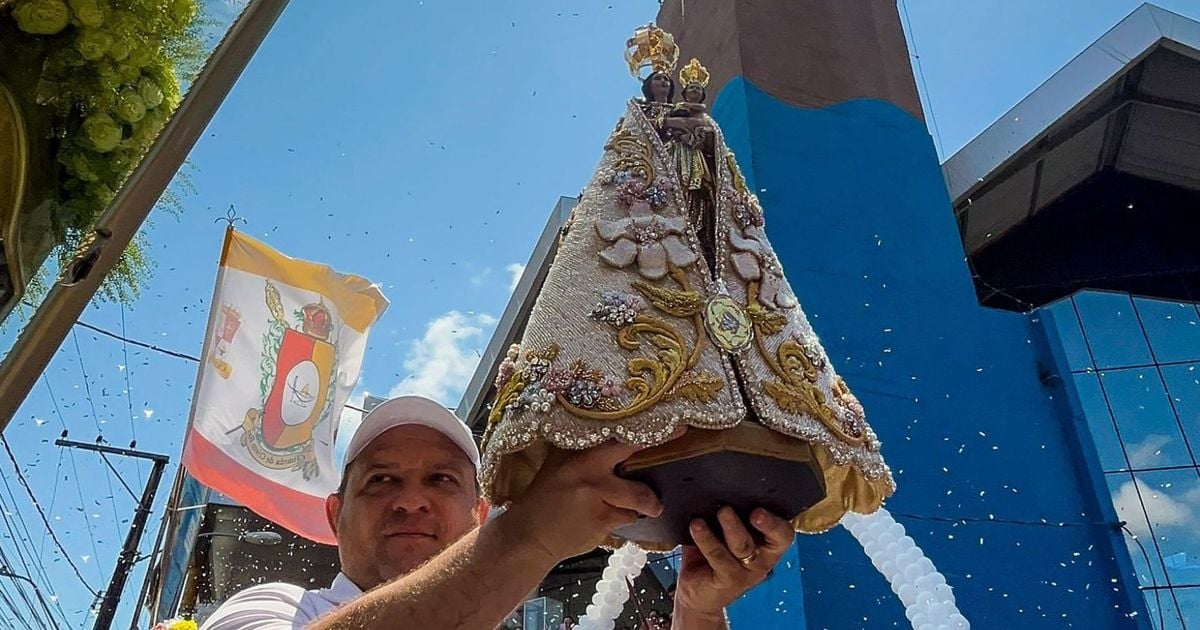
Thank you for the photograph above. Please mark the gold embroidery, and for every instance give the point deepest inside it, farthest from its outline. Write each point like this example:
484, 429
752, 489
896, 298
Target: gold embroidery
702, 388
739, 182
634, 155
768, 322
671, 301
649, 378
798, 372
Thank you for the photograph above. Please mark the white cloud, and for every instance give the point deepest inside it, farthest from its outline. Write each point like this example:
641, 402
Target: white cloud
349, 422
480, 278
1165, 510
441, 362
515, 270
1148, 452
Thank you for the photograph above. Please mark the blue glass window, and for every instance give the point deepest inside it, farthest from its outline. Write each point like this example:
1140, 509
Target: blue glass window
1170, 497
1144, 418
1099, 421
1183, 383
1127, 501
1112, 329
1173, 329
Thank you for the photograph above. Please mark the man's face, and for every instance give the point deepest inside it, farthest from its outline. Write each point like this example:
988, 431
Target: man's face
408, 495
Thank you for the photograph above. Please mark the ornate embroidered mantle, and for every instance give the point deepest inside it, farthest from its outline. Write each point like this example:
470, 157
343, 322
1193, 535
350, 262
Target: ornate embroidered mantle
632, 335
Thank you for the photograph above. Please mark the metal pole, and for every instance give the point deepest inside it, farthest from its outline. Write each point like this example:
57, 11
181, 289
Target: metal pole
63, 305
129, 553
155, 561
36, 591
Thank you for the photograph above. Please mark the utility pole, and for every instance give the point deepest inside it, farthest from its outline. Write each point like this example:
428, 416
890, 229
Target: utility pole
129, 553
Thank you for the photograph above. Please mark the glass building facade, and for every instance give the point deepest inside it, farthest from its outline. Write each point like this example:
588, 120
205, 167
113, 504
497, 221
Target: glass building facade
1134, 366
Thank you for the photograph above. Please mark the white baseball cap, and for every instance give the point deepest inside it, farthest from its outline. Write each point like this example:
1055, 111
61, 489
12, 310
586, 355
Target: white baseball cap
407, 410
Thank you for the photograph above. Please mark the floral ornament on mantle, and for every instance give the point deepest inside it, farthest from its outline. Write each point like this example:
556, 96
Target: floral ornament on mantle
651, 239
753, 260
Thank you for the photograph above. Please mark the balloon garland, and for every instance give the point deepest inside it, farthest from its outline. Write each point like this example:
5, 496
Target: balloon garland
928, 601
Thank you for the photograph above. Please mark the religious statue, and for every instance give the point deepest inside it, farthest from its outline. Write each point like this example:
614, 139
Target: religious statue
666, 306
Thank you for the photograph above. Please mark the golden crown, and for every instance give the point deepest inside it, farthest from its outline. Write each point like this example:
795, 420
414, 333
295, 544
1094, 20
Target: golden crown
651, 47
694, 74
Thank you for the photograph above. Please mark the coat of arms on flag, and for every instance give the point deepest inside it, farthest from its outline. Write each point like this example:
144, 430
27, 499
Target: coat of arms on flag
283, 351
297, 387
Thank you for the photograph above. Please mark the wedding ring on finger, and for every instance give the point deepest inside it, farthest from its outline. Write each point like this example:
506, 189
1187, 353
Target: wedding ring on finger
749, 560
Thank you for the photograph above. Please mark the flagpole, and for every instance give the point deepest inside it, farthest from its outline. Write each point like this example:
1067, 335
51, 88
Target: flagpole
173, 514
114, 230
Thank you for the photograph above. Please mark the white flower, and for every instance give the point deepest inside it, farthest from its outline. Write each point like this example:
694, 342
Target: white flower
753, 259
650, 239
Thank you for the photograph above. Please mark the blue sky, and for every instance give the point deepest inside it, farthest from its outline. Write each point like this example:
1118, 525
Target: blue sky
422, 145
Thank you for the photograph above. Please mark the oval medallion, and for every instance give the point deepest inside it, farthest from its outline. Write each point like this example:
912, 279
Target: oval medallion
728, 325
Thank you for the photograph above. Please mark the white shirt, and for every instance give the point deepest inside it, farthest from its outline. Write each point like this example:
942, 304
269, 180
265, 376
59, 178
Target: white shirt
279, 606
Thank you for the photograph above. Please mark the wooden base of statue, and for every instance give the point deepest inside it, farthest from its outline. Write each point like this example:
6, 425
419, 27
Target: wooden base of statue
745, 467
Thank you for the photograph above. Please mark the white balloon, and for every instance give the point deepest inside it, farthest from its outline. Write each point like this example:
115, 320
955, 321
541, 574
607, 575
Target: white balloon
960, 622
600, 597
907, 593
593, 611
607, 624
913, 572
610, 574
888, 567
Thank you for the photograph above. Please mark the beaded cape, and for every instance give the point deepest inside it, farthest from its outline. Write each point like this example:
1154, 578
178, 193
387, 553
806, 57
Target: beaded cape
635, 332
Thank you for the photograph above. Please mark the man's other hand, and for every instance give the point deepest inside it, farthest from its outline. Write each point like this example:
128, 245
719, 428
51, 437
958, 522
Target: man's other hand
718, 570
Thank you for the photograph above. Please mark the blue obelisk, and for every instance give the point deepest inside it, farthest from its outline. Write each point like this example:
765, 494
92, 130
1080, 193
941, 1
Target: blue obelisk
818, 99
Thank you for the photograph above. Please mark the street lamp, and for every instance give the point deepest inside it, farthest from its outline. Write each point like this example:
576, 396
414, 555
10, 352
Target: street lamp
261, 539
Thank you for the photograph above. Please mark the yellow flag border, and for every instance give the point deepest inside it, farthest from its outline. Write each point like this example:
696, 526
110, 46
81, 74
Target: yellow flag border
359, 302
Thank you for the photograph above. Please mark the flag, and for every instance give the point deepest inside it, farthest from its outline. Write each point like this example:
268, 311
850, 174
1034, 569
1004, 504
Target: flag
282, 353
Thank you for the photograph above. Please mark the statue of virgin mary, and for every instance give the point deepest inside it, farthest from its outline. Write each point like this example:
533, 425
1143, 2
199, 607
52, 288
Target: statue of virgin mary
666, 306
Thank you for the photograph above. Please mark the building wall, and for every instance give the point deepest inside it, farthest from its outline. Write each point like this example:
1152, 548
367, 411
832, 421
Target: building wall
993, 482
1133, 373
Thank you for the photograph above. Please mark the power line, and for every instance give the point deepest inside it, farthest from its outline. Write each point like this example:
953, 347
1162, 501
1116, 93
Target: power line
6, 566
45, 521
937, 134
27, 539
1006, 521
1153, 579
164, 351
87, 388
140, 344
128, 390
119, 477
87, 524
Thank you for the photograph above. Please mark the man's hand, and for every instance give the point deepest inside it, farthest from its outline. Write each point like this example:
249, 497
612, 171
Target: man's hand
715, 572
577, 500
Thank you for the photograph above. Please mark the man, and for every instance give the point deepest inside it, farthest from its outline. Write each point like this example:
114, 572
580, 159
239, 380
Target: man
416, 553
